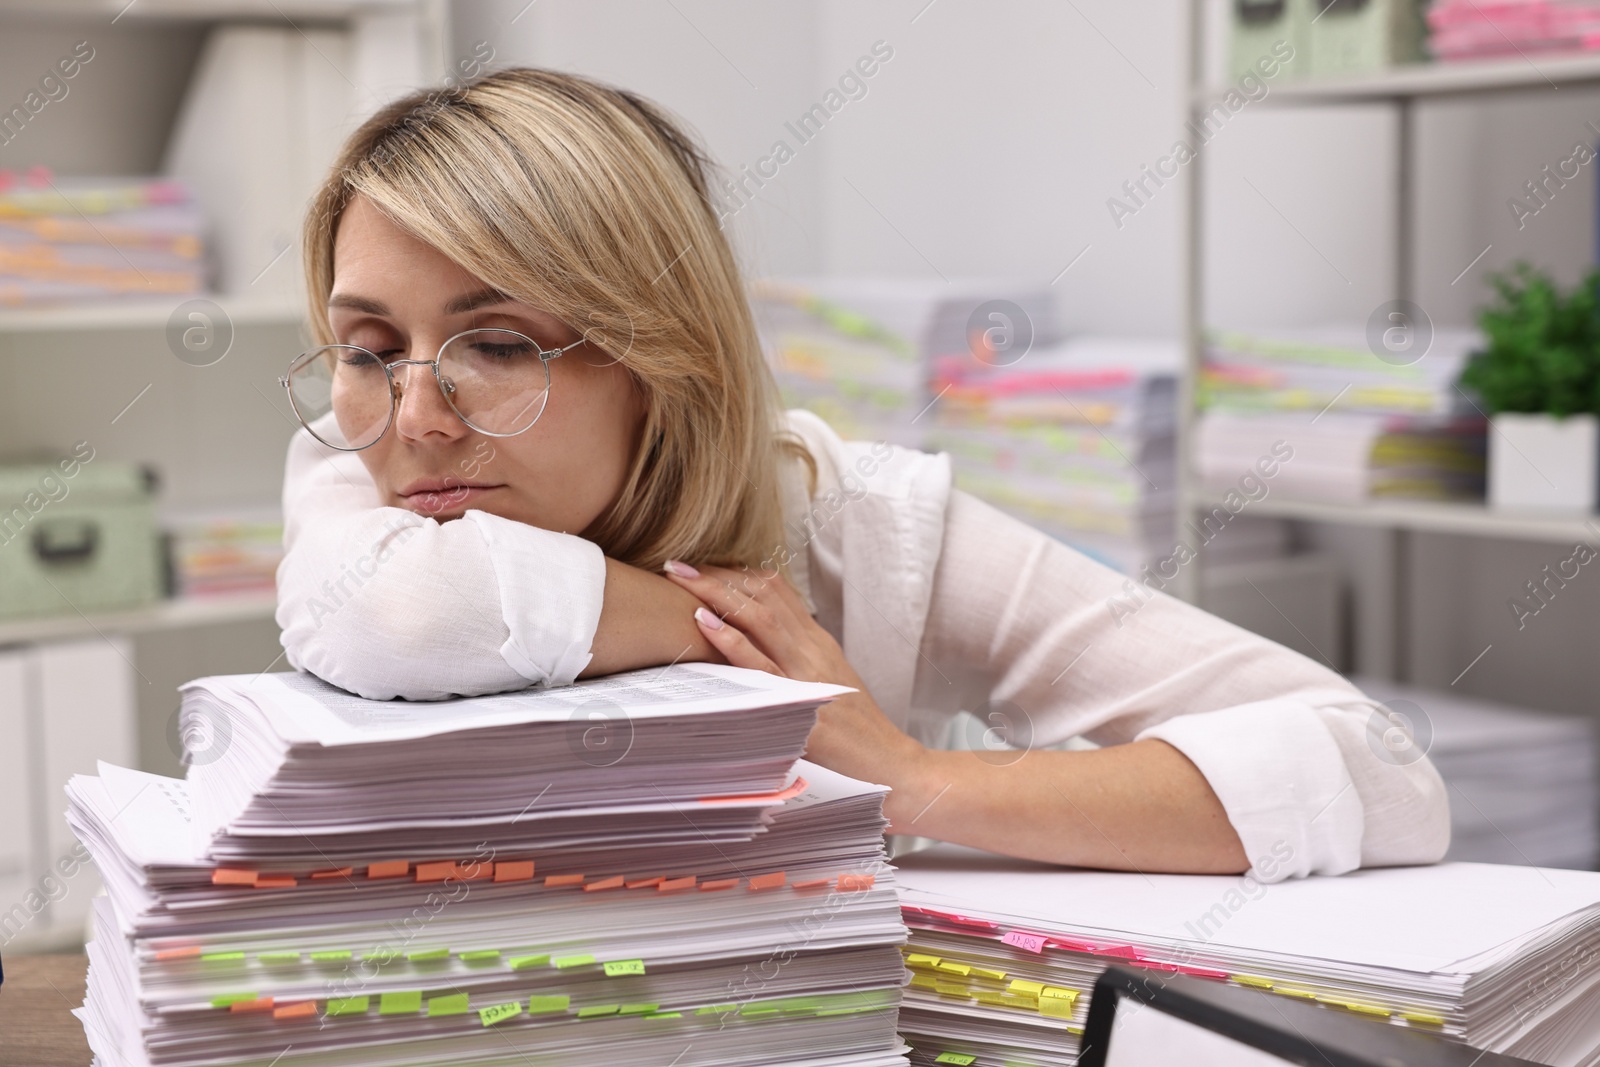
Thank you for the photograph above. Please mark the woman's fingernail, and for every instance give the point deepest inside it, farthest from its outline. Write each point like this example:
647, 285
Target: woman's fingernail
682, 570
708, 619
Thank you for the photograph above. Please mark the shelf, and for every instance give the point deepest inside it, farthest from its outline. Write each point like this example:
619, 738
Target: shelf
166, 615
1468, 519
146, 314
201, 10
1431, 80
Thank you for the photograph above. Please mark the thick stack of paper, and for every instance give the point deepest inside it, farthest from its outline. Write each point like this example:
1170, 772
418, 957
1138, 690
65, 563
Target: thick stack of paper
1362, 425
1346, 457
220, 553
1004, 952
1469, 29
80, 239
630, 870
1524, 784
1076, 439
857, 351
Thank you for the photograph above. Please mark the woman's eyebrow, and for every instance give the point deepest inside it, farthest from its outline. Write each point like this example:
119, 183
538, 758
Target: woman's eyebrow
470, 301
357, 303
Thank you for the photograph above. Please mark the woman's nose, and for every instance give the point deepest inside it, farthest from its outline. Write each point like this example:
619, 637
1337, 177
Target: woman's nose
423, 409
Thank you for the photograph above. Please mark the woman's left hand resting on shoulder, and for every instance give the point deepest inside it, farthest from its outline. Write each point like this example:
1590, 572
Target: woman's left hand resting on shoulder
1140, 806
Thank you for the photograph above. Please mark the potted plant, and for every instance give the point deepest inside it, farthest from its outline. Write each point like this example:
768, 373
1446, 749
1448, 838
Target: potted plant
1539, 380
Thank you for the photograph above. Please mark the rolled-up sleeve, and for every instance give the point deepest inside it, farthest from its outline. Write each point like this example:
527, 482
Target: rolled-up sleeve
387, 603
1301, 760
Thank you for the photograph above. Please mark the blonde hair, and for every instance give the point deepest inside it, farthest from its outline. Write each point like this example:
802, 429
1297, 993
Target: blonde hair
591, 204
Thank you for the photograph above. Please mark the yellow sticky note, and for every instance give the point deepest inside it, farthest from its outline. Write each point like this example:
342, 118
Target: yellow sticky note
1025, 987
959, 1059
921, 959
615, 968
499, 1013
451, 1004
572, 961
1055, 1007
1426, 1018
401, 1003
545, 1005
951, 967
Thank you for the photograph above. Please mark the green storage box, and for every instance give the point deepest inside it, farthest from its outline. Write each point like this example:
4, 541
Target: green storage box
1359, 36
77, 542
1258, 27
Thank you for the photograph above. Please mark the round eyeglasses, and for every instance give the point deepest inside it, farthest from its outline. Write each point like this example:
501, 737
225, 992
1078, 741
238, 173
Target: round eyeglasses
496, 381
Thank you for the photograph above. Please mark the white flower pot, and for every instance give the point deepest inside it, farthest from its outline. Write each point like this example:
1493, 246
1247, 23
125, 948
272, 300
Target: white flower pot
1539, 462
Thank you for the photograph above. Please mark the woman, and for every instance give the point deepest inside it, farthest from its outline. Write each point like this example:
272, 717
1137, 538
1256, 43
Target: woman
593, 476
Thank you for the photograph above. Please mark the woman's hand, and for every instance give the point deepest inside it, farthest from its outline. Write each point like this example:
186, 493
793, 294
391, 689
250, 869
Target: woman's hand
758, 620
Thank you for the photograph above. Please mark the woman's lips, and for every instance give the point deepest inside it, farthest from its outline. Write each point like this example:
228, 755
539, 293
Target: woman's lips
433, 501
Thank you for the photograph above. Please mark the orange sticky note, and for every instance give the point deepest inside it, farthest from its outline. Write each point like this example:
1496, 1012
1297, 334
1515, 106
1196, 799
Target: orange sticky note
474, 870
233, 876
513, 871
614, 882
645, 883
719, 883
388, 869
849, 883
275, 881
337, 872
192, 952
259, 1004
811, 883
295, 1011
768, 881
563, 879
686, 882
435, 872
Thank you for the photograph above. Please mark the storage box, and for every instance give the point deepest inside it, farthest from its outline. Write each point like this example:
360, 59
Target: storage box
1257, 27
77, 542
1352, 36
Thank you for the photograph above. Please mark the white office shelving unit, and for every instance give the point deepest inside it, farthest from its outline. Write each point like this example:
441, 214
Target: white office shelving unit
1401, 89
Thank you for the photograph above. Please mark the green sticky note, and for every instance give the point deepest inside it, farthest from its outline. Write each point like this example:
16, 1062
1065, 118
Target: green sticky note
522, 963
638, 1009
665, 1015
348, 1005
278, 957
716, 1009
336, 955
547, 1004
480, 955
428, 954
757, 1009
222, 957
232, 998
594, 1011
401, 1003
499, 1013
960, 1059
614, 968
454, 1004
572, 961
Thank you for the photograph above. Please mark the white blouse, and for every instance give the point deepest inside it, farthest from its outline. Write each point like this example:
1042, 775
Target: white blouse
941, 603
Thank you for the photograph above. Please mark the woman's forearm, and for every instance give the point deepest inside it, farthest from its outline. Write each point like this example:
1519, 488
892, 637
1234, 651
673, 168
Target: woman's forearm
1133, 807
646, 621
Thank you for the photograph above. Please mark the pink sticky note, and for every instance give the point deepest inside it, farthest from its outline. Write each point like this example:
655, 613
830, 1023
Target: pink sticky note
1024, 940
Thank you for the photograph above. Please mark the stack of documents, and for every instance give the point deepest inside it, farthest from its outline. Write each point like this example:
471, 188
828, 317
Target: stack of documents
1524, 784
1346, 457
219, 553
1003, 952
1076, 439
1366, 419
858, 351
633, 870
83, 239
